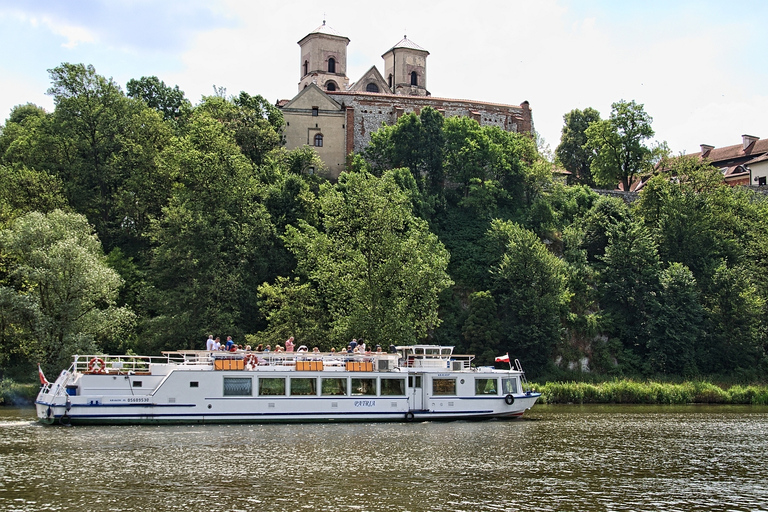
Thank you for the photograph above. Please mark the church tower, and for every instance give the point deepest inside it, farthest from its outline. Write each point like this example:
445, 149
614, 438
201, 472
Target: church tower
405, 68
324, 59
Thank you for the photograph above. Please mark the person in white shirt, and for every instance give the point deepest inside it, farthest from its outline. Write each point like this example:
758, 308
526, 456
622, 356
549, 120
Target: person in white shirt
210, 344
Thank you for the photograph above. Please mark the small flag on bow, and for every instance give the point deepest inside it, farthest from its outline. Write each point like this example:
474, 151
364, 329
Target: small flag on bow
43, 380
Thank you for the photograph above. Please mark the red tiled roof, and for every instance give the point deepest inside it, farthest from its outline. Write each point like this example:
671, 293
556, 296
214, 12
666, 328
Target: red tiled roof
733, 154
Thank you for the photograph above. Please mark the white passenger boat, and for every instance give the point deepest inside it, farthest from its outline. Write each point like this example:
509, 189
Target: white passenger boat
416, 382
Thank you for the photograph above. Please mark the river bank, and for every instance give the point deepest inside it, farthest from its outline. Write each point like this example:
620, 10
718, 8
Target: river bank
633, 392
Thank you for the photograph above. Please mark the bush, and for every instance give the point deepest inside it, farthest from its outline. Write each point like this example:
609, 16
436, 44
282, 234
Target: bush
12, 393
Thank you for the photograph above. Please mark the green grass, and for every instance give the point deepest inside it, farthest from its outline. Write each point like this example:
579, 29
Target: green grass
633, 392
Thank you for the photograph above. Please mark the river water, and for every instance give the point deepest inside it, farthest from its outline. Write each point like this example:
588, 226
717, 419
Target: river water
559, 458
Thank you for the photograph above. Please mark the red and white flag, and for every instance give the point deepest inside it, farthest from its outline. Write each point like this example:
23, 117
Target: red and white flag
43, 380
503, 359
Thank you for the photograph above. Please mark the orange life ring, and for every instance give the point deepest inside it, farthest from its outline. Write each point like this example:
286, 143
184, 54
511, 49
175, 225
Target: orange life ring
98, 363
250, 359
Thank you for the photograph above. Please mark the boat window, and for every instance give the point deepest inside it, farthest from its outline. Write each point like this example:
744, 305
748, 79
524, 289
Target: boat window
414, 381
237, 386
271, 386
443, 386
392, 386
194, 384
486, 387
363, 386
137, 383
333, 386
303, 387
508, 386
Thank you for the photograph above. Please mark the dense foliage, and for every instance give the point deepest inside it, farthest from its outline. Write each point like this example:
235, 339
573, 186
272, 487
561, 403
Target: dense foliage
140, 222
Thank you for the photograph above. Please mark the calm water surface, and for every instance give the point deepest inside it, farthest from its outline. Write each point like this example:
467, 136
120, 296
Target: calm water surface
569, 458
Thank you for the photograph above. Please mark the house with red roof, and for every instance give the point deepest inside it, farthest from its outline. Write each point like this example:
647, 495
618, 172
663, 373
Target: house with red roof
741, 164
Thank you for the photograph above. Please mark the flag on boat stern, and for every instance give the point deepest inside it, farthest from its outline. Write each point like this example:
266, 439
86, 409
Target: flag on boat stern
503, 359
43, 380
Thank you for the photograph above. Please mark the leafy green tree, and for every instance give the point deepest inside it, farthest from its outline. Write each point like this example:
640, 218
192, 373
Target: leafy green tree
168, 101
374, 263
415, 142
736, 334
530, 284
676, 326
107, 148
695, 218
630, 289
25, 190
573, 153
255, 123
212, 244
619, 145
59, 295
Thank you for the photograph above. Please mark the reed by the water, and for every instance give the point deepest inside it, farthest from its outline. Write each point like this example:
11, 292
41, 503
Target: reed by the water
633, 392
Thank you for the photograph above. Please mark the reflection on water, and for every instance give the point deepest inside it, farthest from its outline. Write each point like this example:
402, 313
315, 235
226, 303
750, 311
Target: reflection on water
568, 458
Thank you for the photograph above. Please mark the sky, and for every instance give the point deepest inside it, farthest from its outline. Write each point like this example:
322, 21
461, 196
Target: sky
694, 65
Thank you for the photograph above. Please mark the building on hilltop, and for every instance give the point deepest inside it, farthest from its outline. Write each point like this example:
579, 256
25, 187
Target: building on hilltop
337, 117
741, 164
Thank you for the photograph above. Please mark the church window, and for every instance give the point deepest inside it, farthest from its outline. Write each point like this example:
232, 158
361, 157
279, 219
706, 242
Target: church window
389, 80
315, 111
414, 78
372, 87
331, 65
319, 140
330, 86
306, 67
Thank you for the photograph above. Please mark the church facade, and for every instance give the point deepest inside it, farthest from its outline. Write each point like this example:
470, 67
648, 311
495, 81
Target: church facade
337, 117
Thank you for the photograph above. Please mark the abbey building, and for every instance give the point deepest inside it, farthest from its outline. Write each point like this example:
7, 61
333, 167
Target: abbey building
337, 117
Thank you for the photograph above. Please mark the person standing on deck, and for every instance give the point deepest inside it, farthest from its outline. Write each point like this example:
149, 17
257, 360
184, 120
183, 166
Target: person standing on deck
289, 344
229, 343
210, 344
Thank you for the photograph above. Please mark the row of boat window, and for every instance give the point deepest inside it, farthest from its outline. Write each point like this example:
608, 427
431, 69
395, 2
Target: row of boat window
332, 386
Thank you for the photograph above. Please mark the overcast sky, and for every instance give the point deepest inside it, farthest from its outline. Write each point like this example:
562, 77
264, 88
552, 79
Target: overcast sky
699, 67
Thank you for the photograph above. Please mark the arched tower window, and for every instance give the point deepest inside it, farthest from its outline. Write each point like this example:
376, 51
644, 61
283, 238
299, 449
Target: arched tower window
389, 80
319, 140
330, 86
372, 87
331, 65
306, 67
414, 78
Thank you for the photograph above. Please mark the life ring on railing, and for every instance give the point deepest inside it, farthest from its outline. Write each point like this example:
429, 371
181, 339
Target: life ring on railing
509, 399
96, 365
409, 416
250, 360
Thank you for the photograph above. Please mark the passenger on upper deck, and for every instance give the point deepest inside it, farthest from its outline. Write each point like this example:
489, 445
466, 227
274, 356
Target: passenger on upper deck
229, 343
289, 344
353, 344
217, 345
210, 344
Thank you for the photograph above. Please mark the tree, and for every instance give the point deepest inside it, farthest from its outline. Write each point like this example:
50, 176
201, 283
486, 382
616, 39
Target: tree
106, 149
255, 123
25, 190
375, 265
573, 152
59, 295
619, 145
213, 243
168, 101
676, 326
630, 288
530, 284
